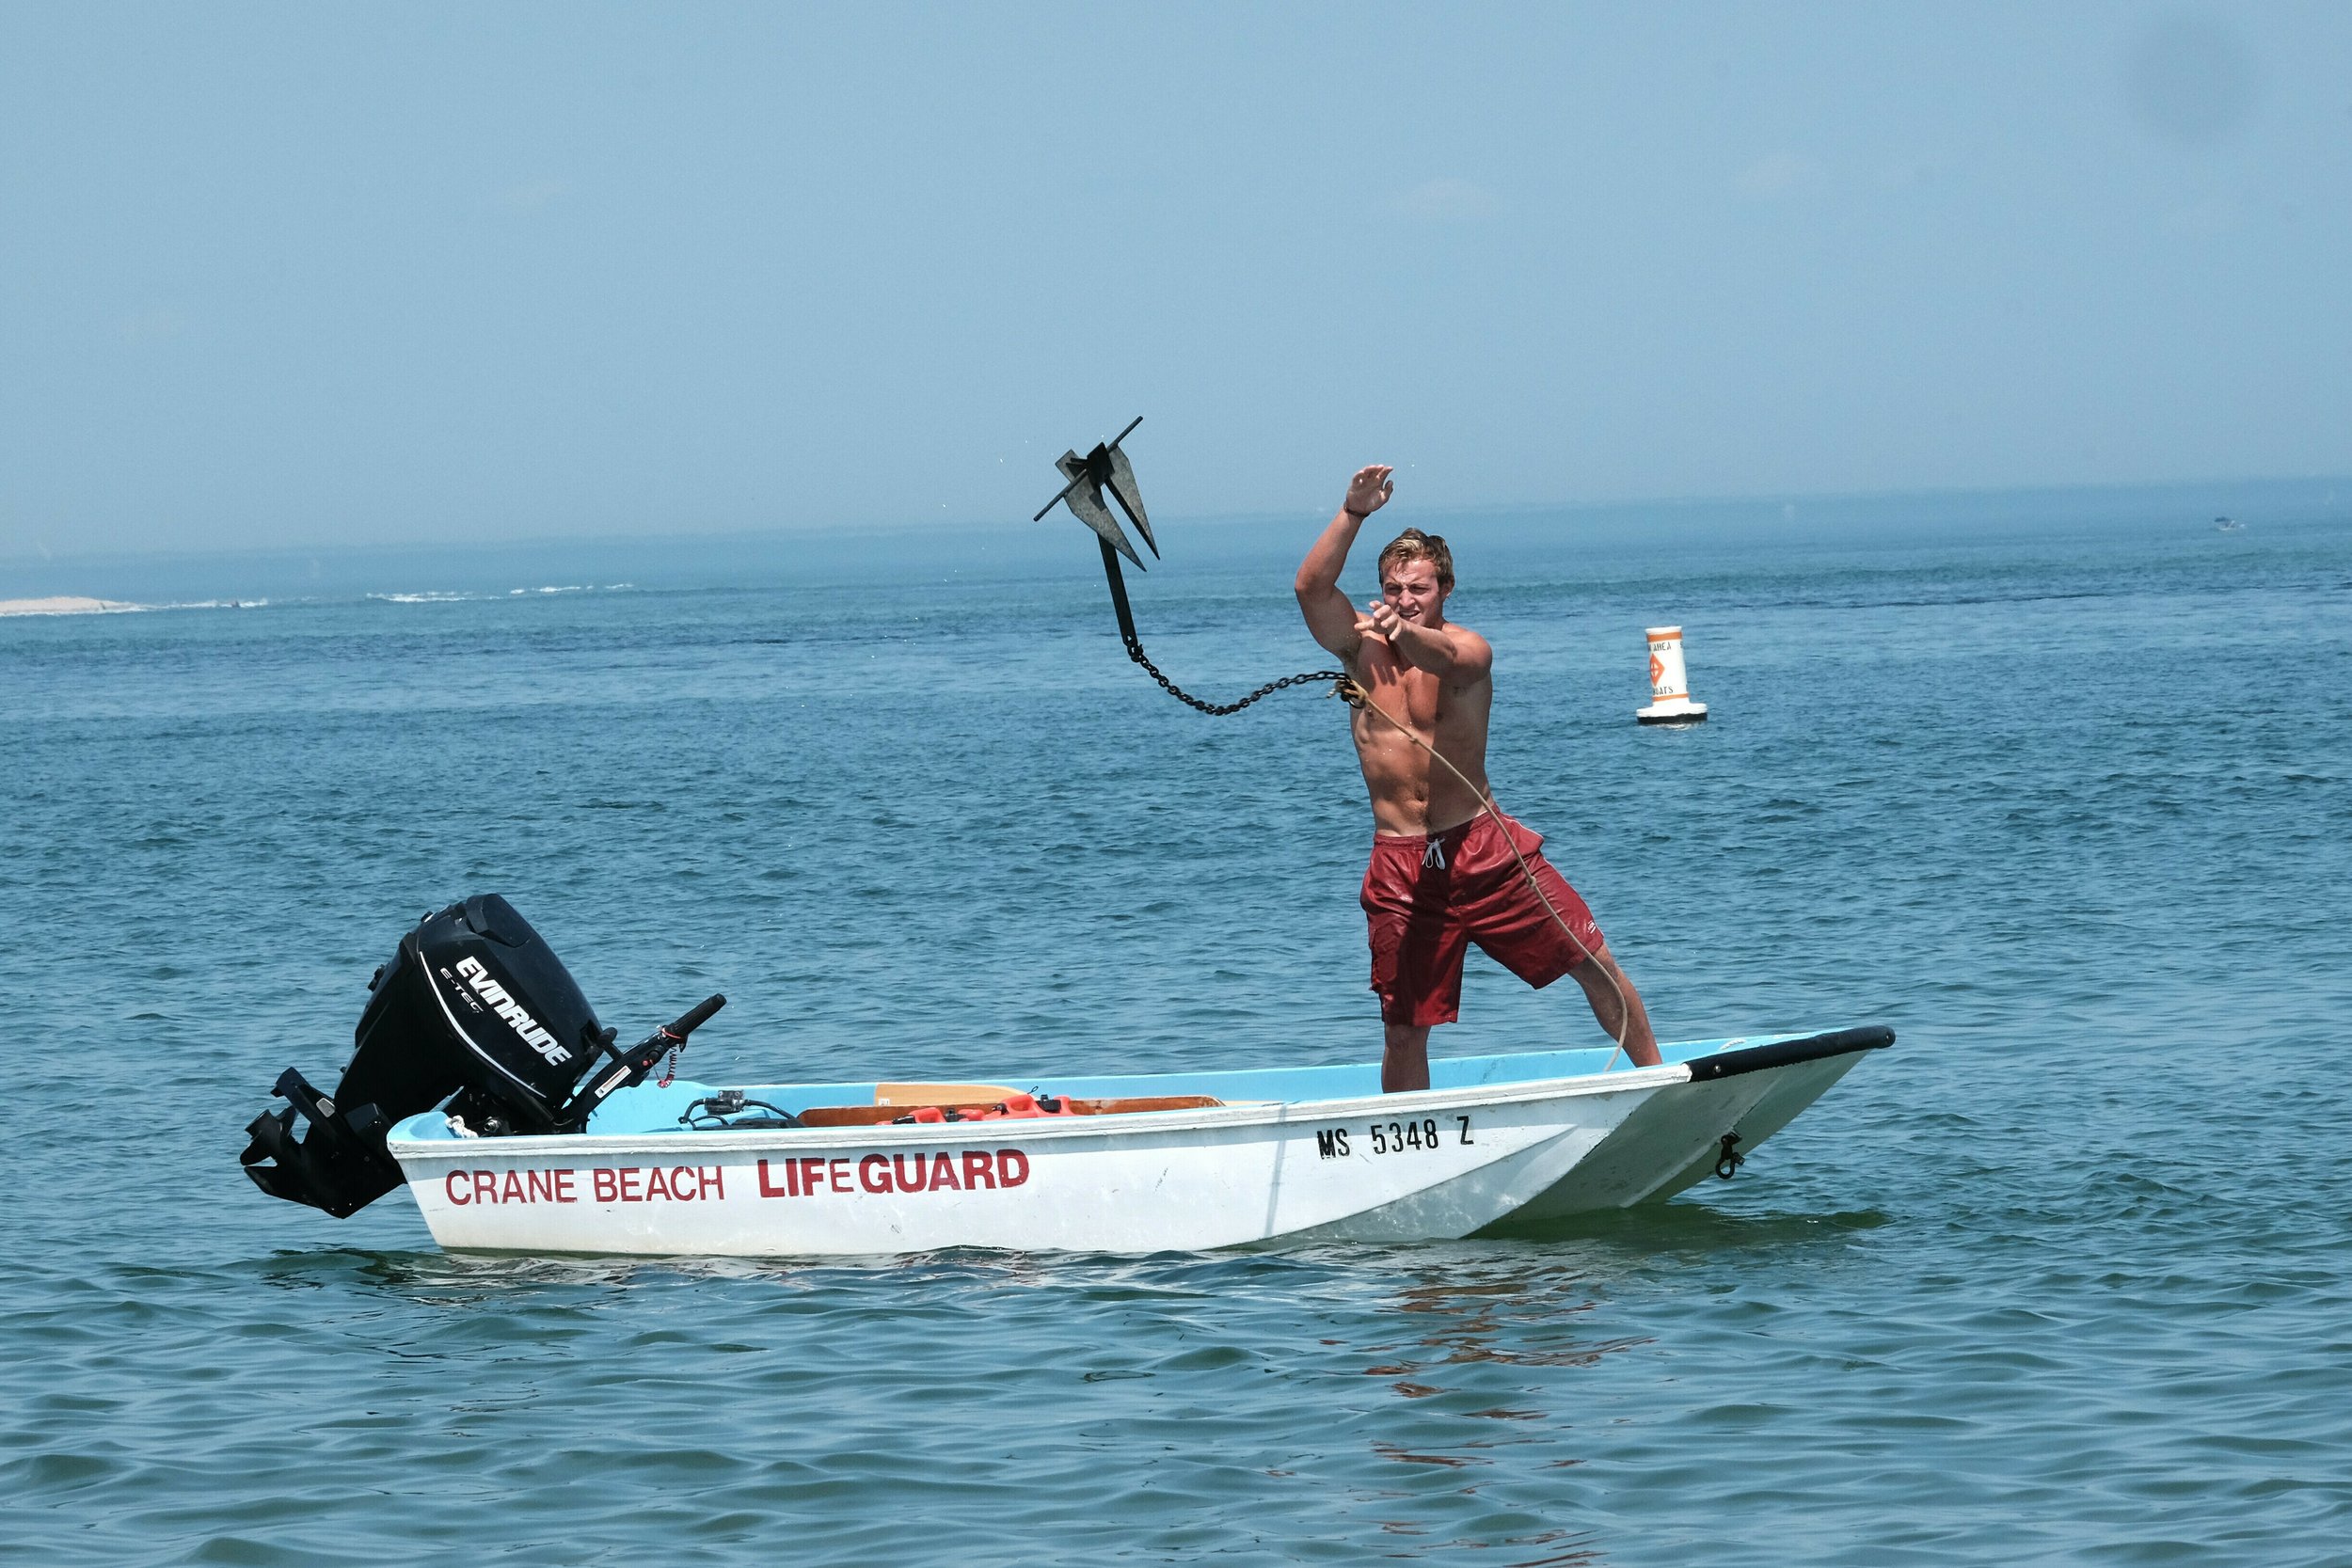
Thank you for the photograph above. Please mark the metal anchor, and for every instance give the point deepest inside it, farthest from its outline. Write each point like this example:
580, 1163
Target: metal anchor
1088, 475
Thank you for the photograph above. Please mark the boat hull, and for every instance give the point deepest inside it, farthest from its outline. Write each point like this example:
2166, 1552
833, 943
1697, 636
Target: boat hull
1435, 1163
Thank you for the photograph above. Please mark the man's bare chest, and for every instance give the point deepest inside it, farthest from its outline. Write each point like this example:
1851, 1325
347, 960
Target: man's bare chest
1416, 696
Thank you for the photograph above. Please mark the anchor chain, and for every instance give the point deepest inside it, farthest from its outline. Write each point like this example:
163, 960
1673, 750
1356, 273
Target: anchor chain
1135, 651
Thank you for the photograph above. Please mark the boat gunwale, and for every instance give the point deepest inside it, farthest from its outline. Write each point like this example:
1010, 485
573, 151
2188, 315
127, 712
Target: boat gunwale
1734, 1060
1731, 1060
1271, 1113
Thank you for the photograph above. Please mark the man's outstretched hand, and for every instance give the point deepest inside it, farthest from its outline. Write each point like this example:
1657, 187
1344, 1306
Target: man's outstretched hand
1369, 491
1379, 619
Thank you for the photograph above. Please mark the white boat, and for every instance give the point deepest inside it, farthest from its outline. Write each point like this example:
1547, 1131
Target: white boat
1288, 1155
467, 1085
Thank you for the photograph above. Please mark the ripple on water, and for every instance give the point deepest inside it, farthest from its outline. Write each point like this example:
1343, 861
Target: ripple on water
2064, 1278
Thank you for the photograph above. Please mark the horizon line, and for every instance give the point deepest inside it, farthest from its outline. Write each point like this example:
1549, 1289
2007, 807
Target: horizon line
1023, 524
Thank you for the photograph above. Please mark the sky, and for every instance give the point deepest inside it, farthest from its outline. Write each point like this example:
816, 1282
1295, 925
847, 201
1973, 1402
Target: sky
307, 276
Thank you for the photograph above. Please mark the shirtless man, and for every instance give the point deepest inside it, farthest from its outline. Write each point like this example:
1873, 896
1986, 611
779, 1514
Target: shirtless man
1443, 876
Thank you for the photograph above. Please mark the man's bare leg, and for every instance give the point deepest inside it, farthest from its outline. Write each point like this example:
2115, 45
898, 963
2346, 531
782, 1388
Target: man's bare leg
1405, 1064
1640, 1044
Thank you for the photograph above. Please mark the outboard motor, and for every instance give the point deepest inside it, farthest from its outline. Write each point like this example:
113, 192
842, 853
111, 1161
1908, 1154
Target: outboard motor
473, 1004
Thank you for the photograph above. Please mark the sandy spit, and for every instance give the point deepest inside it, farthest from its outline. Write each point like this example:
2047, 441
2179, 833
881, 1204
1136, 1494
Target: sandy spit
62, 605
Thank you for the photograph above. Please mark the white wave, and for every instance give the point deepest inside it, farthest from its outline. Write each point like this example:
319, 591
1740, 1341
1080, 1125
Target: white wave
511, 593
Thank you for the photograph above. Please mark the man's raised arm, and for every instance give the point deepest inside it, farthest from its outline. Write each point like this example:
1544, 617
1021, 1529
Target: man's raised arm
1329, 616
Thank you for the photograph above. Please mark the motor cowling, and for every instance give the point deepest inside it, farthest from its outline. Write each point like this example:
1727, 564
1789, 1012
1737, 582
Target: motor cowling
474, 1005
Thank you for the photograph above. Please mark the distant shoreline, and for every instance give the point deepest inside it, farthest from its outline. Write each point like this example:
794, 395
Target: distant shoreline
63, 605
1005, 550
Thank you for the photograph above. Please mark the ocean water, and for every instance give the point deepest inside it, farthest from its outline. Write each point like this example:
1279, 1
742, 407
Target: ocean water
2066, 1277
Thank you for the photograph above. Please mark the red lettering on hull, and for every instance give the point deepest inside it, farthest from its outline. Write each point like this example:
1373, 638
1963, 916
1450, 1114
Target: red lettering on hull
661, 1184
971, 1170
466, 1188
885, 1174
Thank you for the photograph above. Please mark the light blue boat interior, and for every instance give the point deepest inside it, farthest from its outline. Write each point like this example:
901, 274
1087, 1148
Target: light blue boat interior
651, 1108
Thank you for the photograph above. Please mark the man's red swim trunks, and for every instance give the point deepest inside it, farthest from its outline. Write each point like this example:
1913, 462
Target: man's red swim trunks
1429, 898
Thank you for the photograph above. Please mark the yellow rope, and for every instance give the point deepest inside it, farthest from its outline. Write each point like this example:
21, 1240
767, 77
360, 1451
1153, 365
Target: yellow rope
1351, 692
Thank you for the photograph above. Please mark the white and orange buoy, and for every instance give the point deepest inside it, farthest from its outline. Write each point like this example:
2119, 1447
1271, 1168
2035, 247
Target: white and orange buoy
1669, 687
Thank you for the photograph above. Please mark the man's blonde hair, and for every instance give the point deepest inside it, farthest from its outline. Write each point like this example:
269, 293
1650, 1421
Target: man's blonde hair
1413, 545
